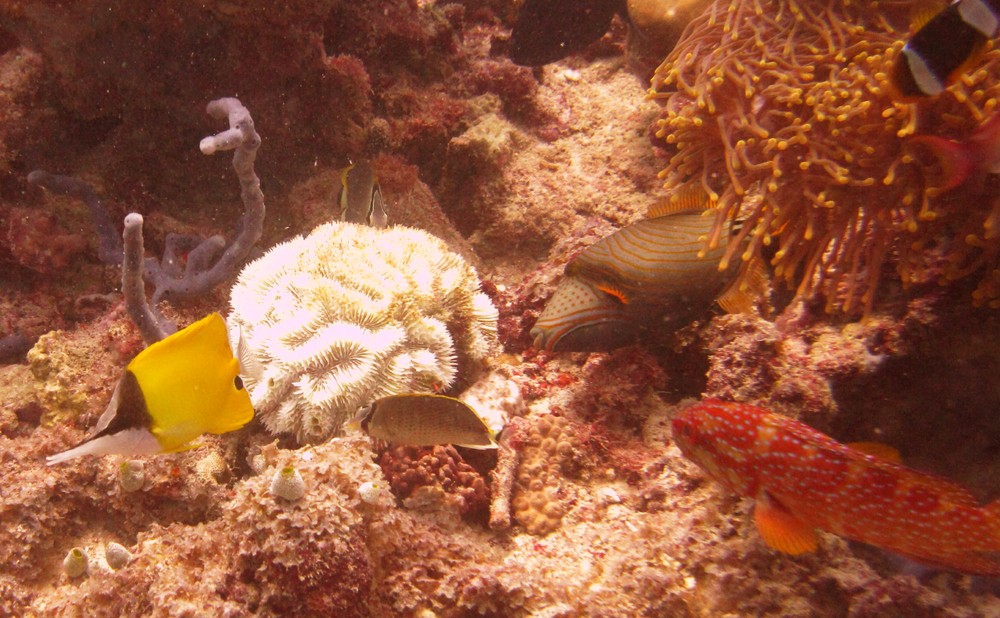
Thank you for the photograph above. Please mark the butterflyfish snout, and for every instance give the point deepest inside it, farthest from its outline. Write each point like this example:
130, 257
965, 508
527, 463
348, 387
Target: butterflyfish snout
172, 392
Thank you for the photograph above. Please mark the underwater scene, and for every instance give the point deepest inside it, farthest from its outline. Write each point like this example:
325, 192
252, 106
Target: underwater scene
503, 308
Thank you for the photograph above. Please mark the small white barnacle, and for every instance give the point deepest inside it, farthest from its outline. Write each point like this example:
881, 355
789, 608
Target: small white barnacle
372, 492
117, 555
131, 475
76, 562
288, 484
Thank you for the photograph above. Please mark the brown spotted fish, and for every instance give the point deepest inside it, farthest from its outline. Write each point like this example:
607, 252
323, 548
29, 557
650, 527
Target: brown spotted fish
654, 271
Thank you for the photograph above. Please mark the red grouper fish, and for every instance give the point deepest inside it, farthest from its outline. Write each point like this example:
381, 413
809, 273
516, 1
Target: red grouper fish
803, 480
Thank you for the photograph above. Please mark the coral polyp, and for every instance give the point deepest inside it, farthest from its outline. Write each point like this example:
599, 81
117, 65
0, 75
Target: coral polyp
784, 111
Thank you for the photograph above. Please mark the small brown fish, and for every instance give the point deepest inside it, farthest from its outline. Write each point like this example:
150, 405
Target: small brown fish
424, 419
360, 196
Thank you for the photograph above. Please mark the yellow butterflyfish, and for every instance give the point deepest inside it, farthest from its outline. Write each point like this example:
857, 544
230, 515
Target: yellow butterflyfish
172, 392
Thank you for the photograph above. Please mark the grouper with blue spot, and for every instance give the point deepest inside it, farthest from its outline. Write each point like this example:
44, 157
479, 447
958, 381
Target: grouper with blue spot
175, 390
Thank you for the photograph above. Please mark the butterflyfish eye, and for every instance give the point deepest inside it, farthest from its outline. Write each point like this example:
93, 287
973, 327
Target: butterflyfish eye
239, 383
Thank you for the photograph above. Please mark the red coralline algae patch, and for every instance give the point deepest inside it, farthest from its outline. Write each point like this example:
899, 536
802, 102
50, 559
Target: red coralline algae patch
435, 475
25, 120
615, 386
36, 241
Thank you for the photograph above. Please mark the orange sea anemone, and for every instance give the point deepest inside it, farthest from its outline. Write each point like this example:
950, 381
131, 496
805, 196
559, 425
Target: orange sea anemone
783, 110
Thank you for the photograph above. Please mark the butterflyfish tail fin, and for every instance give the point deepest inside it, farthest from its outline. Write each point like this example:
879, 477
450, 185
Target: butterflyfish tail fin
128, 442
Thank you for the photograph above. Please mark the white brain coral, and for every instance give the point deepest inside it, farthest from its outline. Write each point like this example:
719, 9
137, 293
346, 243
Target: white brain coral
348, 314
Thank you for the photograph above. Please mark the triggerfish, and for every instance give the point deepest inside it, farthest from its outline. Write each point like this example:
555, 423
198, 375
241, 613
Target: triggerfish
172, 392
424, 419
653, 271
803, 480
949, 42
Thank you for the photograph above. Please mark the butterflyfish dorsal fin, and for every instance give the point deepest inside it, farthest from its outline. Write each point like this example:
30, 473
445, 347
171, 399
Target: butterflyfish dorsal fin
782, 530
747, 290
878, 451
687, 198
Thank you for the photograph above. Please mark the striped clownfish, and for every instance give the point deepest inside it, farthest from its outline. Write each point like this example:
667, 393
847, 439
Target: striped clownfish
653, 271
424, 419
949, 42
172, 392
802, 481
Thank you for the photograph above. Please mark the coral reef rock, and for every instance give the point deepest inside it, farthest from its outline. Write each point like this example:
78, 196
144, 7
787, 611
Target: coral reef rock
548, 447
348, 314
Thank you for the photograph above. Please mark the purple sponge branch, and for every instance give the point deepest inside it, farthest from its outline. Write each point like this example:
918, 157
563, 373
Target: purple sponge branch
200, 275
109, 247
151, 325
201, 272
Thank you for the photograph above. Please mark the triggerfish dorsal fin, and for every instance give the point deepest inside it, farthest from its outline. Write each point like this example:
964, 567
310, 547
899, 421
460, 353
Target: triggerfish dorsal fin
747, 291
687, 198
782, 530
878, 451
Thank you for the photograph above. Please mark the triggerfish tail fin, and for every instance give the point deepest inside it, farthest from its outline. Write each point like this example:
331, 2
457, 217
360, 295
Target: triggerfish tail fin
780, 529
747, 291
956, 159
